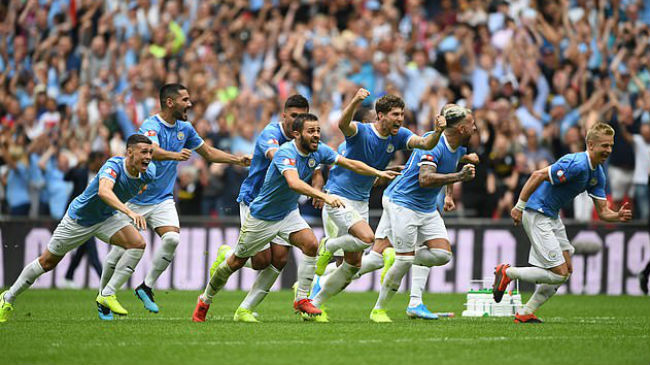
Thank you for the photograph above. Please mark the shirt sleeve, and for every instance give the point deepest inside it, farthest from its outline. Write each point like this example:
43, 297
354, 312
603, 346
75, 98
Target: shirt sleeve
360, 130
598, 191
328, 155
193, 140
404, 135
109, 171
565, 169
430, 157
151, 130
284, 160
268, 141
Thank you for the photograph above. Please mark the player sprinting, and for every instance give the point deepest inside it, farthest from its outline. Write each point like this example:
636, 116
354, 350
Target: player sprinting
92, 214
412, 222
374, 144
174, 139
274, 255
546, 191
274, 212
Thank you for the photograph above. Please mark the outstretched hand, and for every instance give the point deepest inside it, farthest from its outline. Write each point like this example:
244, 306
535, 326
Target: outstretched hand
625, 213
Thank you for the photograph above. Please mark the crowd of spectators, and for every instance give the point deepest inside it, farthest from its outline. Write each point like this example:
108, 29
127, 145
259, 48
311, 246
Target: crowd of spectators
77, 76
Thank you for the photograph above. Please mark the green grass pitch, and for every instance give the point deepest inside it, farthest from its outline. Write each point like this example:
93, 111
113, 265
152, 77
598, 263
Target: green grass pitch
61, 327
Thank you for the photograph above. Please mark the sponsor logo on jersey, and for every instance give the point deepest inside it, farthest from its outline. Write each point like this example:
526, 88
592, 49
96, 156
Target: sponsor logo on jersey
111, 172
560, 175
289, 161
273, 141
427, 157
142, 189
390, 148
311, 163
150, 133
180, 136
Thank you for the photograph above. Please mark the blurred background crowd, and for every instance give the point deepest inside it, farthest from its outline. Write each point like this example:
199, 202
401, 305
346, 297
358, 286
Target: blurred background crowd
77, 76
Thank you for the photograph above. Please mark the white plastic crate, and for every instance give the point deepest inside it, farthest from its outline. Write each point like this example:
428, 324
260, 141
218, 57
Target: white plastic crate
481, 304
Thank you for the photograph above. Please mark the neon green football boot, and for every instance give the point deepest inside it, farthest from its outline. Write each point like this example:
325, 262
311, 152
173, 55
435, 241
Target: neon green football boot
324, 257
244, 315
6, 308
389, 260
321, 318
379, 316
221, 257
111, 302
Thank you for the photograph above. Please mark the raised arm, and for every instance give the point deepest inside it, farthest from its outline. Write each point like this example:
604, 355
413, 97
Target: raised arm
345, 125
363, 169
107, 195
430, 178
160, 154
533, 182
431, 140
216, 155
301, 187
623, 215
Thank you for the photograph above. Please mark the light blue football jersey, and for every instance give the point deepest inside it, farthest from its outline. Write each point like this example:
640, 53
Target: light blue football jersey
170, 138
273, 136
406, 190
570, 175
275, 200
88, 208
374, 150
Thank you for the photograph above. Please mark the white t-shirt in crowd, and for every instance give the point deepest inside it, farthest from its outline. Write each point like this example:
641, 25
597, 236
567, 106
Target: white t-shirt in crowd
641, 160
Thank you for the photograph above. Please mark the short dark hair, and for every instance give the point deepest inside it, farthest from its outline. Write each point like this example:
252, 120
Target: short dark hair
361, 114
296, 101
300, 120
137, 138
96, 156
387, 102
169, 91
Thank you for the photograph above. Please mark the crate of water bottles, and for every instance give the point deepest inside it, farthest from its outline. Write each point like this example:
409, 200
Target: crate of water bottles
481, 304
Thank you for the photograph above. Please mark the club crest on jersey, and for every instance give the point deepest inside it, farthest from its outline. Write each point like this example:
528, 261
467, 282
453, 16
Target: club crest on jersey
180, 136
289, 161
593, 181
560, 175
390, 148
311, 163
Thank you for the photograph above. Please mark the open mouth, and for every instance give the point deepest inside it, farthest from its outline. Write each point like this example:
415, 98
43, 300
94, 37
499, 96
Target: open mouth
144, 165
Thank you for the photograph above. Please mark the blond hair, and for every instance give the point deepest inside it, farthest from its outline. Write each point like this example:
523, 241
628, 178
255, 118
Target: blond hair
598, 130
454, 113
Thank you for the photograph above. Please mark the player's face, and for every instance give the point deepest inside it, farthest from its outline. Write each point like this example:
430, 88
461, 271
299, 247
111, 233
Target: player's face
140, 156
180, 105
392, 121
289, 115
601, 148
467, 128
310, 136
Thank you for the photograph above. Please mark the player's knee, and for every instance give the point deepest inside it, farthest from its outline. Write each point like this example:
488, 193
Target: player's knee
368, 238
310, 247
279, 261
432, 257
47, 263
138, 243
170, 240
260, 262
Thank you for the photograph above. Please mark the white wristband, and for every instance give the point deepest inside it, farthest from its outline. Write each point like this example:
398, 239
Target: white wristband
520, 205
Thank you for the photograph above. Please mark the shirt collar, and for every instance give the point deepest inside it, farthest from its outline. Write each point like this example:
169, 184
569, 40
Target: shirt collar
283, 133
372, 125
589, 160
161, 120
297, 149
444, 138
126, 171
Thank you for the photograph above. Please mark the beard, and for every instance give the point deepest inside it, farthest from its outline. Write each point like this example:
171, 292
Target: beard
306, 145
